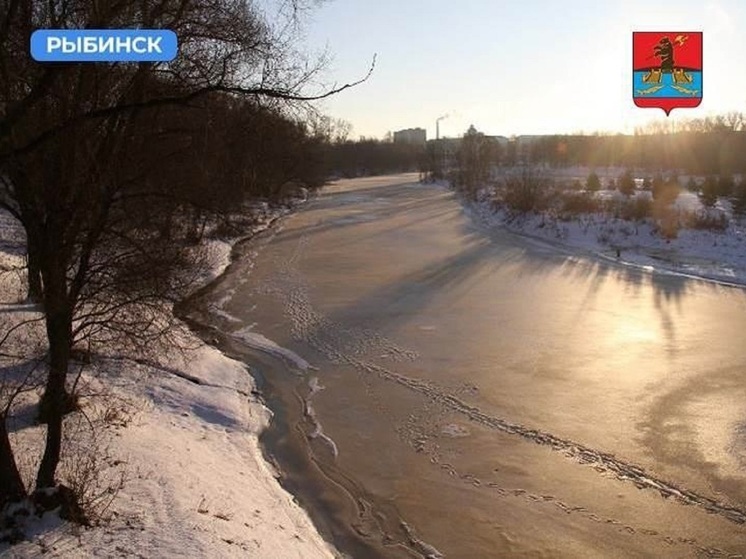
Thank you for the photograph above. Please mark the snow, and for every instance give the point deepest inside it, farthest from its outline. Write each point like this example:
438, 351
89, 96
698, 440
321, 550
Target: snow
318, 430
219, 255
184, 431
701, 254
262, 343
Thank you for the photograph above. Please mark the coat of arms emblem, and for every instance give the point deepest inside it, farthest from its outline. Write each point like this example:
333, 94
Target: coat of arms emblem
667, 69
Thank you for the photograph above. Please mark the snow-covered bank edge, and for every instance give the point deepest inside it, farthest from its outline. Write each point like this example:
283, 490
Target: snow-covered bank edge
186, 435
701, 255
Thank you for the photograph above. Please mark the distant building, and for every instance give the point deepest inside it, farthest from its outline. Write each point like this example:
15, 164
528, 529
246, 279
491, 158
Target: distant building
416, 136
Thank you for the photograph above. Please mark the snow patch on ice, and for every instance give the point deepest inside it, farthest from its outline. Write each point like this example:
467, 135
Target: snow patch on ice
427, 550
318, 430
315, 385
262, 343
455, 431
223, 314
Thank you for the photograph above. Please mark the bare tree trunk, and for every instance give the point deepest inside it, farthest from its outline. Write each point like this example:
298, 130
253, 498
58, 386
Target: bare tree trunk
166, 227
55, 402
11, 484
35, 292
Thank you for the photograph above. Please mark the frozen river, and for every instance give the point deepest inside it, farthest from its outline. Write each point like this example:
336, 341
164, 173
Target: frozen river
448, 390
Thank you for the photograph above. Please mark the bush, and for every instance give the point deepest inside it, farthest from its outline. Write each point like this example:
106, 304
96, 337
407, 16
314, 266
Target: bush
90, 470
667, 222
705, 220
593, 184
725, 186
665, 192
709, 194
627, 184
636, 209
575, 203
739, 198
527, 193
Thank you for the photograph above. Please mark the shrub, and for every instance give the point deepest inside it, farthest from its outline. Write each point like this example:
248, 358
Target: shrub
627, 184
725, 185
739, 198
89, 468
705, 220
636, 209
667, 222
665, 192
593, 183
526, 193
578, 203
709, 194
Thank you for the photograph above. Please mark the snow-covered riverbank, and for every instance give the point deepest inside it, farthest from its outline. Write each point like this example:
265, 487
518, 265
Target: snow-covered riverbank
711, 255
183, 431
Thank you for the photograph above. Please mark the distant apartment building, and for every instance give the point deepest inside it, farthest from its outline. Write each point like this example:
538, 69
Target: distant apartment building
416, 136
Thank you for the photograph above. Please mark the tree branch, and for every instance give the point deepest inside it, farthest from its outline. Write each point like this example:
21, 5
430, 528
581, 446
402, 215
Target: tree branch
269, 92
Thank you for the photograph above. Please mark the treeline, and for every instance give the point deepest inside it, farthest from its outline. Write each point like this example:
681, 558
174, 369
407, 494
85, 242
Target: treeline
175, 167
476, 165
372, 157
714, 145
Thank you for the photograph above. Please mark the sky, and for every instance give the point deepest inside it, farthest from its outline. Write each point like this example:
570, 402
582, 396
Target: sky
514, 67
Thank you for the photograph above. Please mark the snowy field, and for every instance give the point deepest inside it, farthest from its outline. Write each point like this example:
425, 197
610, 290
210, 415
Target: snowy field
176, 440
718, 256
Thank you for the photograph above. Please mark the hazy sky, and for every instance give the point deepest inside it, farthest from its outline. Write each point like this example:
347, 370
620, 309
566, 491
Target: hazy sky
515, 66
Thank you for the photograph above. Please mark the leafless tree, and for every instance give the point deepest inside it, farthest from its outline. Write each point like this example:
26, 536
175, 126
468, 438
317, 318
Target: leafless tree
72, 176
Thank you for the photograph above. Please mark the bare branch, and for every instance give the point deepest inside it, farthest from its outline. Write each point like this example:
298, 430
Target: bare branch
185, 99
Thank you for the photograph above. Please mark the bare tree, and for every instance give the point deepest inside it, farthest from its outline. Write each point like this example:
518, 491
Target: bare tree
72, 177
477, 154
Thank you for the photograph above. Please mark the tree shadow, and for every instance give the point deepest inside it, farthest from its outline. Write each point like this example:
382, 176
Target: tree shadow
17, 381
485, 249
396, 302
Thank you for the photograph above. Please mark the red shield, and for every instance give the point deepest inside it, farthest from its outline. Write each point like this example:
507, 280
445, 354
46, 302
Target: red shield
667, 69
